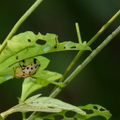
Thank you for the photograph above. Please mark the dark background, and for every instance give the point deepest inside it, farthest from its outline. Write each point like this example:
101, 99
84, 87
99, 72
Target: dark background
99, 82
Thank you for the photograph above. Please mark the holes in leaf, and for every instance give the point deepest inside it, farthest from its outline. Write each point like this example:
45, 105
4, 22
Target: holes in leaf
56, 41
95, 107
64, 47
17, 57
73, 47
55, 46
58, 117
41, 42
102, 109
70, 114
29, 40
88, 111
23, 61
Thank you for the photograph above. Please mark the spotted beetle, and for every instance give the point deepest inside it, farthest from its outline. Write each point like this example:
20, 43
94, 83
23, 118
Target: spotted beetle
24, 71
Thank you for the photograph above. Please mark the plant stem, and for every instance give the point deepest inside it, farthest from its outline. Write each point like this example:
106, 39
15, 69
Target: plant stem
79, 54
87, 60
78, 33
15, 28
20, 21
33, 115
103, 28
23, 116
80, 67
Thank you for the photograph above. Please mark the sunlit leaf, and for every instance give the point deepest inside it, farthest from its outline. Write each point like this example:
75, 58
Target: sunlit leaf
43, 104
28, 44
96, 110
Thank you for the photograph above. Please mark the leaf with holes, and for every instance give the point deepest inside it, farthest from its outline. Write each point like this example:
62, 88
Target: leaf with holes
26, 45
24, 68
92, 110
18, 59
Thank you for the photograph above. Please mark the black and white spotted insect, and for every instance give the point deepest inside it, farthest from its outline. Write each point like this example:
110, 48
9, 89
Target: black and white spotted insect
24, 71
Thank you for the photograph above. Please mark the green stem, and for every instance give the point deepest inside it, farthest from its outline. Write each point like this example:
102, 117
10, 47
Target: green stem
103, 28
80, 67
87, 60
20, 21
78, 33
89, 43
76, 58
33, 115
79, 54
15, 28
23, 116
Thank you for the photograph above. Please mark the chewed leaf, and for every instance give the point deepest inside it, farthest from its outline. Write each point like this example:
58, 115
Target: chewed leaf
58, 108
24, 68
43, 104
97, 110
71, 46
12, 49
26, 45
92, 110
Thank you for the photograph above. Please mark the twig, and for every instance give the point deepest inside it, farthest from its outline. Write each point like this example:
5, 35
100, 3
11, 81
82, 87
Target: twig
87, 60
79, 54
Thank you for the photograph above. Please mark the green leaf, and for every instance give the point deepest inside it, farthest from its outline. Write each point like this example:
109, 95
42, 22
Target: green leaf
26, 45
29, 85
43, 104
32, 84
2, 79
58, 108
95, 110
8, 73
11, 50
43, 62
1, 117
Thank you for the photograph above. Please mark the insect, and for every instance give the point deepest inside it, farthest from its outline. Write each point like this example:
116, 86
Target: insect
24, 70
